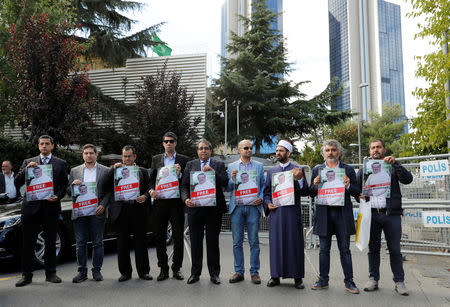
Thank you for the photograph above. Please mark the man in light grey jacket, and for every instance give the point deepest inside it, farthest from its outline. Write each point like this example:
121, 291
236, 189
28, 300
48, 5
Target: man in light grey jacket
91, 225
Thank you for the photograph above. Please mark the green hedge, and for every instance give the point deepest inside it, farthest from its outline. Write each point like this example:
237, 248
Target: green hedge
17, 151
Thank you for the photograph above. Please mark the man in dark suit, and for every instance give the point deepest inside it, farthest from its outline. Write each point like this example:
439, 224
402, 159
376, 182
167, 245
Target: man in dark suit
337, 220
166, 210
200, 218
130, 217
42, 213
91, 225
7, 185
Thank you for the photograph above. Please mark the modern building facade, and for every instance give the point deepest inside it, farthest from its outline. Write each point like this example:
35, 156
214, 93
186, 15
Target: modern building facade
366, 54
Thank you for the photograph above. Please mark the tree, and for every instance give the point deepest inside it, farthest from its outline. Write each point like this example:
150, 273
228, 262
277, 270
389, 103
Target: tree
432, 126
162, 105
50, 88
253, 78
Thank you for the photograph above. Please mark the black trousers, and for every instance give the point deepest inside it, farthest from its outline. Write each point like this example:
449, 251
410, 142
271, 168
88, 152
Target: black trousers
132, 221
201, 220
46, 218
169, 210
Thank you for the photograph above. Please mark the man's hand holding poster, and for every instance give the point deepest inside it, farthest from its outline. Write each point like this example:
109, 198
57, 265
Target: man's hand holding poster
167, 183
283, 189
331, 187
39, 181
84, 198
245, 187
377, 178
126, 183
203, 188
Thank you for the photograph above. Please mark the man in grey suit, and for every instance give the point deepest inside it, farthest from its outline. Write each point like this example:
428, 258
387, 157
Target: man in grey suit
91, 225
37, 214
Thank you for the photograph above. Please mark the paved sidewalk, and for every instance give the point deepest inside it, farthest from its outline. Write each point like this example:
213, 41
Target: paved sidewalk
427, 278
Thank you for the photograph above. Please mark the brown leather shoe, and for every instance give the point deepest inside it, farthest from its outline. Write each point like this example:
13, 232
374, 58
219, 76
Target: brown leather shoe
256, 279
236, 278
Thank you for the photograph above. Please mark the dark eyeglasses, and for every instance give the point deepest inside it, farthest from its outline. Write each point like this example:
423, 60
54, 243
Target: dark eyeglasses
169, 141
247, 148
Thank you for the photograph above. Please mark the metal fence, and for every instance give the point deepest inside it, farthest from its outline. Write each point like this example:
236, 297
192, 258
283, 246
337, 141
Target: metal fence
418, 196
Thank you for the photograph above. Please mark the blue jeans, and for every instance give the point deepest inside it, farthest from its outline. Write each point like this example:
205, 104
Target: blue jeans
392, 226
336, 226
241, 216
83, 227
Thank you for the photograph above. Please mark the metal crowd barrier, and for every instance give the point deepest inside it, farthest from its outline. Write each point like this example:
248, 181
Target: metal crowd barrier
418, 196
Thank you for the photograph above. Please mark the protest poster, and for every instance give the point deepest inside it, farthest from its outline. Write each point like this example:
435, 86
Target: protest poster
377, 178
203, 188
167, 185
246, 187
331, 187
84, 199
283, 189
126, 183
39, 182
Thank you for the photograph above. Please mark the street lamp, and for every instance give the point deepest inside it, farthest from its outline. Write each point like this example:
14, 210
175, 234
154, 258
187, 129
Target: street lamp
361, 86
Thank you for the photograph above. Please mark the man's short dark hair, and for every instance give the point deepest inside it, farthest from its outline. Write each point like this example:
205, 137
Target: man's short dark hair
330, 171
377, 140
46, 136
10, 163
170, 135
129, 147
205, 141
89, 146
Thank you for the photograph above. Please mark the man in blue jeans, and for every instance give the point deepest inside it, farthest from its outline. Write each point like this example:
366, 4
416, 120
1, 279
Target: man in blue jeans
245, 209
91, 225
386, 216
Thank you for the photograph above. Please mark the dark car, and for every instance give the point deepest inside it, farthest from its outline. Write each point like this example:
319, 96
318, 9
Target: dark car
11, 232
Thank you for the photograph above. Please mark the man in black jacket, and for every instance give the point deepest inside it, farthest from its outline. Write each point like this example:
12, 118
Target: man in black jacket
42, 213
168, 209
7, 184
200, 218
386, 216
130, 217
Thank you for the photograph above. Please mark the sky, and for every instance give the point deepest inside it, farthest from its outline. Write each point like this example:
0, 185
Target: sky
194, 27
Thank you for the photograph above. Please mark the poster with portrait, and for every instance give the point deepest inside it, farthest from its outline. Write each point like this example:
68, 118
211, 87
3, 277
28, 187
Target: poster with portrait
84, 199
126, 183
246, 187
283, 189
377, 178
167, 185
203, 188
331, 187
39, 182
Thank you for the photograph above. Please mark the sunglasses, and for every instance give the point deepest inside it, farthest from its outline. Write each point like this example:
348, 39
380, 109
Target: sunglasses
247, 148
169, 141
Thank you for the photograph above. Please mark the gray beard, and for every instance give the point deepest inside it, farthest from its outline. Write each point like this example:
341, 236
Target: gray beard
332, 160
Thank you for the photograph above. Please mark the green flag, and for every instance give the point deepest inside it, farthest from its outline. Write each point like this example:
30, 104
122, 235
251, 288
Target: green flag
161, 49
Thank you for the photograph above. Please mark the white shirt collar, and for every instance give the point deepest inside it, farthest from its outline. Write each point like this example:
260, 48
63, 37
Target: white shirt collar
285, 164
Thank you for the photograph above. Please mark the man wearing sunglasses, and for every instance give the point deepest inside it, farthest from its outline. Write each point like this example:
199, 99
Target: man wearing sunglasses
170, 209
246, 213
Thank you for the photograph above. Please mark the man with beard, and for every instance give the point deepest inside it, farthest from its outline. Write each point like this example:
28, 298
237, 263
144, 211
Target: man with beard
285, 223
337, 220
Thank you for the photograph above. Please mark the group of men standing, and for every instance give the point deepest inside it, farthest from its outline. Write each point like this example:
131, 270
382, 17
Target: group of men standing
285, 221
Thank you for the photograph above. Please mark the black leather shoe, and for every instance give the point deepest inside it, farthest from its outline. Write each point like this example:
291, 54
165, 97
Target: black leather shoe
97, 276
145, 277
298, 283
25, 280
273, 282
79, 278
177, 275
53, 278
163, 275
124, 278
215, 280
193, 279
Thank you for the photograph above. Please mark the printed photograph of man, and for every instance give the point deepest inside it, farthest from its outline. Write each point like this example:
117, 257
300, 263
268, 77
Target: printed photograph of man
246, 184
85, 194
203, 184
378, 182
167, 177
128, 178
332, 183
39, 178
283, 185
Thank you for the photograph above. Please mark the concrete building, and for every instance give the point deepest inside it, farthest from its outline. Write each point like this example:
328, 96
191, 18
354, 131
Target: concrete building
366, 54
